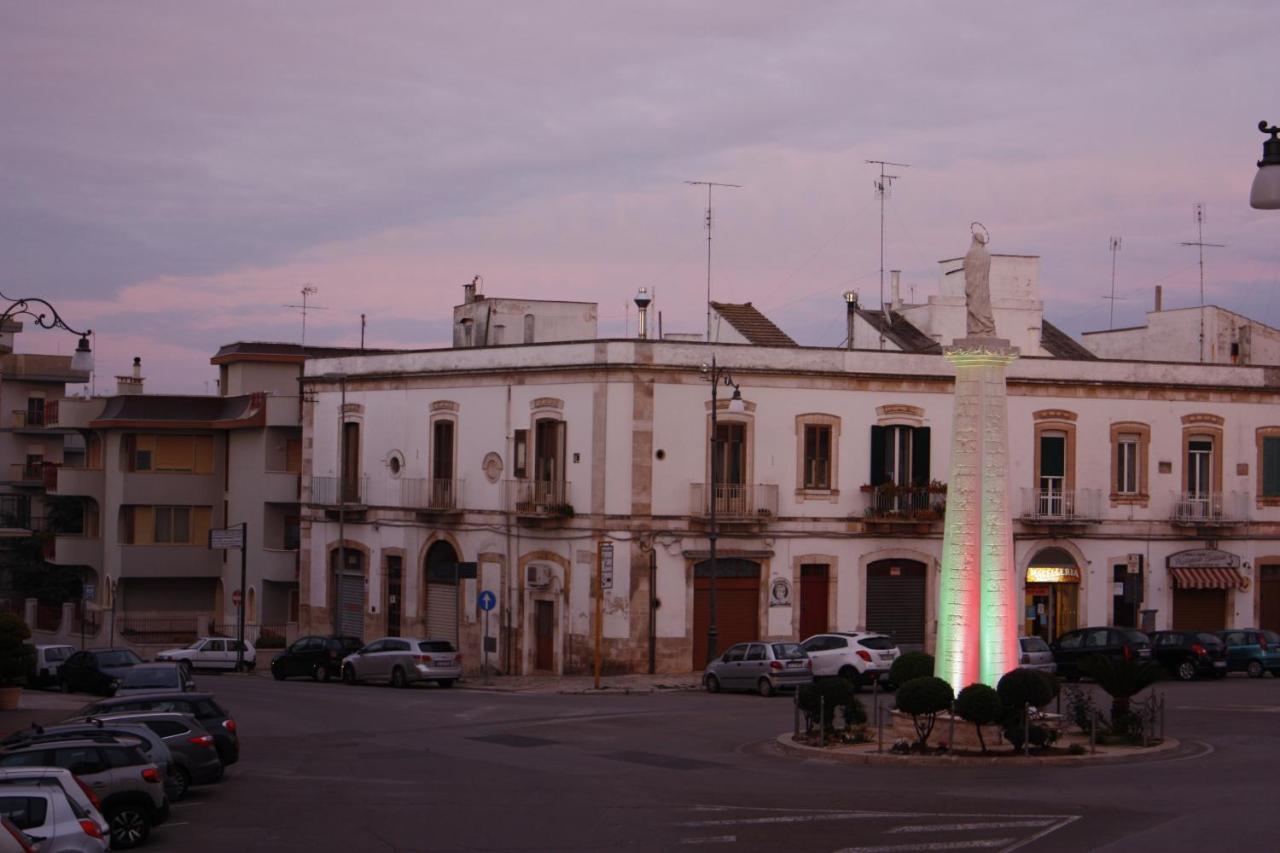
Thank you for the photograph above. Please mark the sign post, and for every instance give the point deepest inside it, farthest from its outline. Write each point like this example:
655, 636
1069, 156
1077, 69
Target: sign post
486, 601
604, 581
235, 537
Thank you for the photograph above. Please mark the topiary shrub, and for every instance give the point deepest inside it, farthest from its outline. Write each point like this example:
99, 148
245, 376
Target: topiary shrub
1021, 687
823, 698
980, 705
923, 698
16, 657
910, 665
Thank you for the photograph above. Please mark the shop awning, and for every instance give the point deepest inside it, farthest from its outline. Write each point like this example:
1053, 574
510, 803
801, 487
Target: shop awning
1205, 578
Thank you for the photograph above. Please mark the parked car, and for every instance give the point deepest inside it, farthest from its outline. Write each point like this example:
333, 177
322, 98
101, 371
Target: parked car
45, 815
48, 660
1116, 643
212, 653
165, 677
1188, 654
12, 839
216, 719
1252, 650
860, 656
1036, 654
130, 787
319, 657
194, 754
404, 660
151, 744
74, 787
763, 667
96, 670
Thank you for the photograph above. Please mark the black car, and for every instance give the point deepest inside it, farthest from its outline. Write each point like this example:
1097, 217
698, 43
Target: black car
96, 670
216, 719
1116, 643
317, 657
1188, 654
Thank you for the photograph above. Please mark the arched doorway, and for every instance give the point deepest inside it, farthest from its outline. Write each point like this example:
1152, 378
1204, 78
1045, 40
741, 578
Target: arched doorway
348, 591
440, 581
1052, 598
737, 604
896, 600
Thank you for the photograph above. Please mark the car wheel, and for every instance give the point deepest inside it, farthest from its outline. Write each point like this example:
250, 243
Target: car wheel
348, 674
130, 826
445, 682
320, 673
398, 679
64, 686
712, 684
178, 781
1186, 670
277, 673
1254, 669
851, 675
765, 687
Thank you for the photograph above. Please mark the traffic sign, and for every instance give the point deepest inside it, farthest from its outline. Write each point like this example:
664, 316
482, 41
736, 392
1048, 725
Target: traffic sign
221, 538
487, 601
606, 565
235, 598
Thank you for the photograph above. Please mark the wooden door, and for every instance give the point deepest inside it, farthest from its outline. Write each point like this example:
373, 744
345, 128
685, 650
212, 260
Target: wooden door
1199, 609
737, 614
544, 632
1269, 605
814, 588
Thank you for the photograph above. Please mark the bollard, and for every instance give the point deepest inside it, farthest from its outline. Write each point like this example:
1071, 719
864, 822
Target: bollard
1161, 716
875, 696
1093, 732
1026, 728
879, 730
796, 714
822, 721
951, 730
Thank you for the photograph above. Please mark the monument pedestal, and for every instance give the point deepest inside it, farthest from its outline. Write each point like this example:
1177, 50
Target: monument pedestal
978, 606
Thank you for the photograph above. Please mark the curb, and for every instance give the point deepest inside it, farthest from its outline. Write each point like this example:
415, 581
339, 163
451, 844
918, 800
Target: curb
866, 754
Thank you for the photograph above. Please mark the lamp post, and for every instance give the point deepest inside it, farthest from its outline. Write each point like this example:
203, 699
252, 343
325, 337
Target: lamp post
1265, 194
716, 375
47, 317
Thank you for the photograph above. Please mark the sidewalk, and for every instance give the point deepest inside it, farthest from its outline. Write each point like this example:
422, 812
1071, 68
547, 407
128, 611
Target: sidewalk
616, 685
39, 706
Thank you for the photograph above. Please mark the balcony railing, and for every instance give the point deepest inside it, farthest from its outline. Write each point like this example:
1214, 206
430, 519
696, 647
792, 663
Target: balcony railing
537, 497
429, 493
734, 500
28, 418
908, 503
1061, 505
332, 491
27, 473
1210, 507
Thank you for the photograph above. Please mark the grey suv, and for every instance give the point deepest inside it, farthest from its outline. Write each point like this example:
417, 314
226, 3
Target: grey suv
216, 719
130, 787
153, 747
195, 757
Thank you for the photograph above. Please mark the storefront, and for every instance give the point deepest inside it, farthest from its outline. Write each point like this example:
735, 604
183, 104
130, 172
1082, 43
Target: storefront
1202, 582
1052, 595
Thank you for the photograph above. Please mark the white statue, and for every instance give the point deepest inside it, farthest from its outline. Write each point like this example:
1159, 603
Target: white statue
977, 286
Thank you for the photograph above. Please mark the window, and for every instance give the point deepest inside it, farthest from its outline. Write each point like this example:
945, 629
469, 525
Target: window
173, 524
1199, 467
26, 812
166, 728
899, 455
165, 525
548, 451
756, 652
292, 532
528, 328
730, 459
35, 411
817, 456
520, 450
1269, 465
351, 462
442, 449
1130, 443
1071, 641
395, 646
1127, 464
736, 653
1096, 638
189, 454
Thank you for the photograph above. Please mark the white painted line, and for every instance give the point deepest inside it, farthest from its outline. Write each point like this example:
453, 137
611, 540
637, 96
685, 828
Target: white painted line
710, 839
1261, 709
968, 827
798, 818
186, 805
934, 845
1042, 833
177, 823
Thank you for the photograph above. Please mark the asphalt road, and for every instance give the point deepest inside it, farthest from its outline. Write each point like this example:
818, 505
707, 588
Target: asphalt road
328, 767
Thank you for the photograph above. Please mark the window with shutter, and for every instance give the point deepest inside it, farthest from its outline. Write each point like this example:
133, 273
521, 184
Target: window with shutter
1271, 466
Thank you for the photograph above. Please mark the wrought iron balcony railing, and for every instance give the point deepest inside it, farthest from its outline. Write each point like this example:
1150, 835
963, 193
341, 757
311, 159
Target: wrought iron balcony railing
537, 497
332, 491
1210, 508
734, 500
1061, 505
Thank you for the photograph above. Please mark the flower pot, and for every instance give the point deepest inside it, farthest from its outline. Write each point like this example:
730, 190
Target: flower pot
9, 697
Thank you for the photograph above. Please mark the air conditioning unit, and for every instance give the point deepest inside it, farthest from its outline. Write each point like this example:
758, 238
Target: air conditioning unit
538, 575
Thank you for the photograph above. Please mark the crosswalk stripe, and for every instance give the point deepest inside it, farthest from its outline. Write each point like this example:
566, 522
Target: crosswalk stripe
933, 845
967, 827
710, 839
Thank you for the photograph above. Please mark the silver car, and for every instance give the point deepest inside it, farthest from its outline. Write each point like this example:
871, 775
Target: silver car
764, 667
404, 660
75, 789
50, 819
1036, 654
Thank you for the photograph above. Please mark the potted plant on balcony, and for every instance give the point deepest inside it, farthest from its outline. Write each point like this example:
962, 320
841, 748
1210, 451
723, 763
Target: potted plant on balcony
15, 659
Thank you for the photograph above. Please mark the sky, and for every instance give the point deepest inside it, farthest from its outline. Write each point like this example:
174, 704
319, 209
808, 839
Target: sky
172, 174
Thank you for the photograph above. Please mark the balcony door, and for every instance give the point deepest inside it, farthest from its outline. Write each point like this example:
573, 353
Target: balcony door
442, 435
899, 467
351, 462
729, 465
1052, 478
1199, 468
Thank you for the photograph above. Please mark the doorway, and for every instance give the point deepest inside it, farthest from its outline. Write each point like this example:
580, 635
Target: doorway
1052, 597
544, 616
1269, 593
395, 581
441, 576
896, 601
814, 594
737, 605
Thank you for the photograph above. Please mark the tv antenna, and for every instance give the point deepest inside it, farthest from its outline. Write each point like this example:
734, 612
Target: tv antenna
308, 290
1200, 245
884, 186
1115, 249
709, 185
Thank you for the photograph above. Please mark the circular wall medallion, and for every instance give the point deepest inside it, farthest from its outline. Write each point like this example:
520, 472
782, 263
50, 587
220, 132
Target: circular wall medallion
779, 592
492, 466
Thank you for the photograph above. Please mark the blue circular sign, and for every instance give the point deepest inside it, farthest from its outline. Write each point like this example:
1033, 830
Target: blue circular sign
487, 601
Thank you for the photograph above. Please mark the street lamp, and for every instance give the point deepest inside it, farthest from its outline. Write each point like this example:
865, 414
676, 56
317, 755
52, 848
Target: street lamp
46, 316
1265, 194
716, 375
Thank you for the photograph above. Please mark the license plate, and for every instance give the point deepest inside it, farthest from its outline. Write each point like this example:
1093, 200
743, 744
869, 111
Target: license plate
795, 664
1144, 653
439, 662
1221, 663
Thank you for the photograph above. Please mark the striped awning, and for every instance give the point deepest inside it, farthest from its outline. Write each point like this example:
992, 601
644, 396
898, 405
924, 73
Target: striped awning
1205, 578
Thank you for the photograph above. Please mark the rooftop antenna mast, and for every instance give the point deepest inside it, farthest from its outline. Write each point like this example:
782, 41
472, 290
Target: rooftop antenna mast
1200, 245
884, 186
307, 290
709, 185
1115, 248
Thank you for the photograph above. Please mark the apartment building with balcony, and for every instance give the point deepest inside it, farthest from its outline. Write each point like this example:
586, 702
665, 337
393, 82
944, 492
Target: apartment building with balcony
1145, 493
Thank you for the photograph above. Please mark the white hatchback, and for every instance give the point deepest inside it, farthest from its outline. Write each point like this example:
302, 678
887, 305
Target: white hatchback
1034, 653
211, 653
860, 656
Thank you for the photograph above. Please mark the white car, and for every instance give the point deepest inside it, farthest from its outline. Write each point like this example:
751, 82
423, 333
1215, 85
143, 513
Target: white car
50, 819
83, 803
1036, 654
211, 653
49, 660
860, 656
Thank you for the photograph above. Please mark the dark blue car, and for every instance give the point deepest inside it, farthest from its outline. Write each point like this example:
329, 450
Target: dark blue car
1252, 650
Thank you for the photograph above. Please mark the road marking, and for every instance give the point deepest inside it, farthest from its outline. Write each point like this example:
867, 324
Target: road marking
185, 805
710, 839
1260, 709
798, 818
933, 845
967, 827
299, 777
1067, 821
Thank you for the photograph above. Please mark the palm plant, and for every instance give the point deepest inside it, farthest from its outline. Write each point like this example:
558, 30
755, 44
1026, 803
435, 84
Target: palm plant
1122, 679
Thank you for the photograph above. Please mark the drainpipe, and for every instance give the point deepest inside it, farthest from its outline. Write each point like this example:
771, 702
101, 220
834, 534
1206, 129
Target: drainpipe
653, 607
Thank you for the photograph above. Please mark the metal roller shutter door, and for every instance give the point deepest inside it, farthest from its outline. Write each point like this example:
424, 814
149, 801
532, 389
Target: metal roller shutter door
896, 600
1199, 609
351, 605
442, 611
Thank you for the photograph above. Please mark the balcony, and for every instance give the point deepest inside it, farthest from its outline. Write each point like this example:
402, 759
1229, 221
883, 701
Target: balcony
430, 494
277, 564
1209, 509
1061, 506
280, 487
339, 491
170, 561
170, 487
15, 512
734, 501
547, 498
77, 550
27, 419
68, 480
28, 474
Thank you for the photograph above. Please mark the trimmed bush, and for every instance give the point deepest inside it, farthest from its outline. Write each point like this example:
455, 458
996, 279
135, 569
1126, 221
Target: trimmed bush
16, 657
979, 704
910, 665
923, 698
1021, 687
824, 697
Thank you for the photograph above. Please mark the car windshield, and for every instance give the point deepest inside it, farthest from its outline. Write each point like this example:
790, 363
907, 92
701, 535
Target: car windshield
120, 657
435, 646
197, 644
56, 654
879, 643
150, 678
1209, 639
788, 651
1136, 637
1272, 638
1034, 644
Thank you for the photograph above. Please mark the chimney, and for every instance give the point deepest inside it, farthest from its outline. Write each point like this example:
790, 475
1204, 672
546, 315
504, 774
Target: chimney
1159, 298
895, 289
642, 302
469, 291
851, 314
131, 384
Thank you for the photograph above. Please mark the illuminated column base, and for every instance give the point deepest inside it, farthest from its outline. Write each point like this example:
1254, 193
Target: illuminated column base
977, 604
